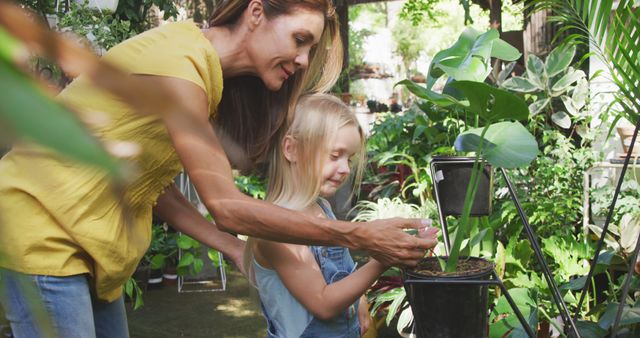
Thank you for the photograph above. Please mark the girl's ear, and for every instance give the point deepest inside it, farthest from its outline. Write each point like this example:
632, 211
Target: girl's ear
254, 13
289, 145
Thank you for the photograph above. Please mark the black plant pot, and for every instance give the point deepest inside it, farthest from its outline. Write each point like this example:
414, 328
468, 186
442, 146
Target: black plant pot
451, 176
448, 310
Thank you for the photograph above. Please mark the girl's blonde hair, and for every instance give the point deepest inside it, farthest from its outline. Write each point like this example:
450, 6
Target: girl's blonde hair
318, 117
255, 117
316, 122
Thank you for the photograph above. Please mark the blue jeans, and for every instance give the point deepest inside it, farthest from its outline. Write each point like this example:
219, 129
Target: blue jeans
49, 306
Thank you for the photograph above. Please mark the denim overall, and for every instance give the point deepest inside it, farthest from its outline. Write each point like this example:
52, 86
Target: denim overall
335, 263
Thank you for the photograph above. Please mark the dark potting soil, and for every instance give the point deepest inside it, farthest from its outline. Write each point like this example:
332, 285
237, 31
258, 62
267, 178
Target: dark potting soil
466, 267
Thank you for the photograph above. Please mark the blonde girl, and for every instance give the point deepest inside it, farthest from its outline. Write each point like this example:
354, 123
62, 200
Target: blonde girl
313, 291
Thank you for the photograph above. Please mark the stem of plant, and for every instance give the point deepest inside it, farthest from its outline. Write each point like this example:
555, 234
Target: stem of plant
463, 227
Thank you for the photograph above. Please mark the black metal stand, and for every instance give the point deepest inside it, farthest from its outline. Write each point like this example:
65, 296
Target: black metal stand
570, 327
494, 281
605, 229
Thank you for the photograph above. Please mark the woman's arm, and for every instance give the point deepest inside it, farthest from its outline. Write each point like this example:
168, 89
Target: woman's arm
208, 167
301, 274
174, 209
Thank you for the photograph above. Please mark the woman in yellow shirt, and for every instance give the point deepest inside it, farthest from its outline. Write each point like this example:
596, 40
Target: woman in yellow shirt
61, 225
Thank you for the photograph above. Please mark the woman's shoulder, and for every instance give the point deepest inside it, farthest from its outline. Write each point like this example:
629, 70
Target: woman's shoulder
177, 49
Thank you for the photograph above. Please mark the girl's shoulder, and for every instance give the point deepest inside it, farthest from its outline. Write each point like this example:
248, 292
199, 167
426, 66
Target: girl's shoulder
269, 253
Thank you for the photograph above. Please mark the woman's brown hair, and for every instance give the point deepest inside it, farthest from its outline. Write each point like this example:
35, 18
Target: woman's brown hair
255, 117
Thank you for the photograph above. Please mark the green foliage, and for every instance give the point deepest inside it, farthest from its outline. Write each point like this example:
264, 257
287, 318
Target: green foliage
503, 320
558, 93
163, 249
41, 7
614, 38
133, 291
253, 186
190, 261
389, 208
410, 42
416, 11
102, 28
409, 139
625, 223
136, 12
466, 64
551, 188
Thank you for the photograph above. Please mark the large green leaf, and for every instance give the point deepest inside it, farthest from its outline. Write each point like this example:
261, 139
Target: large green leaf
559, 59
590, 330
567, 80
521, 84
629, 316
507, 144
509, 325
469, 58
27, 111
441, 100
536, 72
474, 64
504, 51
536, 107
561, 119
9, 46
492, 104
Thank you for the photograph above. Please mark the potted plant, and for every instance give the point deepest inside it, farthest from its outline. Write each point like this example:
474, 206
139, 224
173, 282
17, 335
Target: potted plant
496, 139
98, 29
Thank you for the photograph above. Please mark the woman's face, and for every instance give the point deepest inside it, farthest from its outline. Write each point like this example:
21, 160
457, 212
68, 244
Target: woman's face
280, 46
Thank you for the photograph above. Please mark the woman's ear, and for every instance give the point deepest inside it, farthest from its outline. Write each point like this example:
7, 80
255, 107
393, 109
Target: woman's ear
254, 13
289, 148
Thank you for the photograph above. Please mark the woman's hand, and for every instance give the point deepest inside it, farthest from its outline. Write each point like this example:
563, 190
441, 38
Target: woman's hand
386, 241
363, 315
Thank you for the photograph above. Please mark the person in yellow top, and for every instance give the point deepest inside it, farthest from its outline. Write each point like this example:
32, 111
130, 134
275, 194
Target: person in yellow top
62, 227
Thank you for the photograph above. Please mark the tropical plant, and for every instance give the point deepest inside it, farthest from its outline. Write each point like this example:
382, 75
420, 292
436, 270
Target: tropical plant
551, 188
504, 144
409, 139
613, 33
557, 91
625, 226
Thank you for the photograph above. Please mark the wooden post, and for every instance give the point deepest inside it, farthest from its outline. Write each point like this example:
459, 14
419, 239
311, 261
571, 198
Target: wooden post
342, 10
495, 14
538, 33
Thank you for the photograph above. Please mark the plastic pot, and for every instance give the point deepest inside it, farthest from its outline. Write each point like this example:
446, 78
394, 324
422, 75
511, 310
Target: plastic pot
451, 176
448, 310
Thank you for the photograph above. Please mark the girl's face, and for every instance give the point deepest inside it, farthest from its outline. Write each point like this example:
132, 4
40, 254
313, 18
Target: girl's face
337, 167
280, 46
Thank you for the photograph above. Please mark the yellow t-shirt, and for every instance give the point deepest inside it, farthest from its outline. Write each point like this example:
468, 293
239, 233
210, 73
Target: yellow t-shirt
61, 218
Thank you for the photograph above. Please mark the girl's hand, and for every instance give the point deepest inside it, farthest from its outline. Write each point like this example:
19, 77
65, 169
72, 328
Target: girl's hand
363, 315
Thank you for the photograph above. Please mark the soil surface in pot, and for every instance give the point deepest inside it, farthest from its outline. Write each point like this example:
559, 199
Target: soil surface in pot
430, 267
